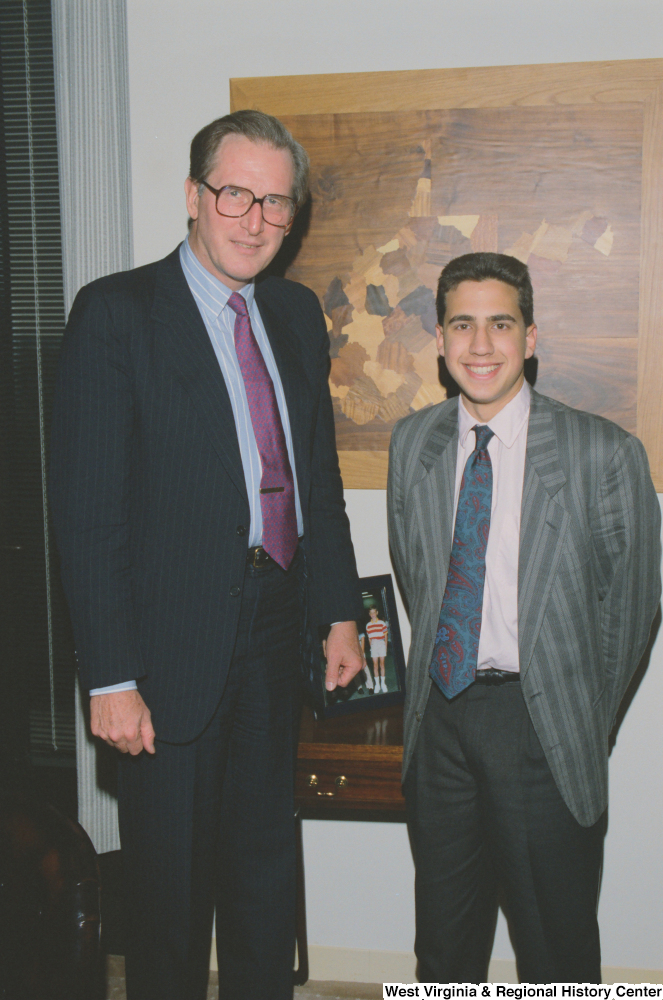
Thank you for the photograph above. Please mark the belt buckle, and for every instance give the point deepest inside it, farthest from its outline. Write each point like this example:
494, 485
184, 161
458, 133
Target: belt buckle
494, 676
259, 558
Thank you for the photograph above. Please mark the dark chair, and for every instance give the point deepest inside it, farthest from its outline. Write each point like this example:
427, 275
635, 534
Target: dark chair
49, 904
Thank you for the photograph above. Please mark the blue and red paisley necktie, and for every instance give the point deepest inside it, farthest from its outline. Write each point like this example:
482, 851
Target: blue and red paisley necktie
457, 642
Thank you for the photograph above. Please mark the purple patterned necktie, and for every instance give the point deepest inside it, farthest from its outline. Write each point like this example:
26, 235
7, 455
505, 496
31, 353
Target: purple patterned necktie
454, 663
277, 491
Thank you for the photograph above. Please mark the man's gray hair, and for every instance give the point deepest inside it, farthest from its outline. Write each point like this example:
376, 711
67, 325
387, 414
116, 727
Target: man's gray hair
258, 127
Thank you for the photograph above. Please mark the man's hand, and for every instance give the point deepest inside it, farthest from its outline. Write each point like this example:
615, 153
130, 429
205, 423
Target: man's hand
344, 657
123, 720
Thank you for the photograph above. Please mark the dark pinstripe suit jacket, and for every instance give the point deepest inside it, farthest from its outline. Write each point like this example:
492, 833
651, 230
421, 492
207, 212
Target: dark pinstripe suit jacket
588, 575
147, 489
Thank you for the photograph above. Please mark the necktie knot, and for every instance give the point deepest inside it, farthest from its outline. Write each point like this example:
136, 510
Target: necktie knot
237, 303
483, 436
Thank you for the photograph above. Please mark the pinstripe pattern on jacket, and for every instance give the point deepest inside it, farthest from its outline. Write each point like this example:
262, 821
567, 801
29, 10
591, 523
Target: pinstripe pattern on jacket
148, 493
588, 576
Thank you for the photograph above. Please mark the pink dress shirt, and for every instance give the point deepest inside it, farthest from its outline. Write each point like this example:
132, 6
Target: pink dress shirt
498, 642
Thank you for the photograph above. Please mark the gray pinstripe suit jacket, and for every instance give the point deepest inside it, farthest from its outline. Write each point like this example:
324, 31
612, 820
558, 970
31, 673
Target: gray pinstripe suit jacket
588, 575
147, 486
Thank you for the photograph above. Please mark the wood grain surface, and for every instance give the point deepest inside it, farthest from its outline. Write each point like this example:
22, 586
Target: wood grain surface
559, 165
377, 732
365, 748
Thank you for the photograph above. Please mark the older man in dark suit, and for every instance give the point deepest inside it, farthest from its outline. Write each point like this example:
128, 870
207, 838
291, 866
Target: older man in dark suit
527, 538
198, 507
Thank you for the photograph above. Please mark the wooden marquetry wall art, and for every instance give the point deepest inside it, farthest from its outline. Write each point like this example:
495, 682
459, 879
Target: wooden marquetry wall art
558, 165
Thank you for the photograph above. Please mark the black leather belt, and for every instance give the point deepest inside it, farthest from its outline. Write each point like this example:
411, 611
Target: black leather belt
493, 676
258, 558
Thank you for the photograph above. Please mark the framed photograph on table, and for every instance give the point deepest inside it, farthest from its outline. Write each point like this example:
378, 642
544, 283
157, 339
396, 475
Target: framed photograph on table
382, 680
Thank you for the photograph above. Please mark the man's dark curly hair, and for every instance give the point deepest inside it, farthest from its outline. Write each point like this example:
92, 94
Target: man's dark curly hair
482, 267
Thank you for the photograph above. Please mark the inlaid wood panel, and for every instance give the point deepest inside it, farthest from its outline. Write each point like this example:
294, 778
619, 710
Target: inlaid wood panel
557, 165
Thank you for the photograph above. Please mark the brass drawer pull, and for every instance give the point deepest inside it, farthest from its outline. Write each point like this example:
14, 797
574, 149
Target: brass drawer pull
340, 781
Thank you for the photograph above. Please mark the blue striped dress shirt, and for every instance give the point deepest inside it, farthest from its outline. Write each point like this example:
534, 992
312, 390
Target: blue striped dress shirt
212, 299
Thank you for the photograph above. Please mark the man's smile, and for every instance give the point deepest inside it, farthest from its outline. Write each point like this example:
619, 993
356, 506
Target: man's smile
482, 369
246, 246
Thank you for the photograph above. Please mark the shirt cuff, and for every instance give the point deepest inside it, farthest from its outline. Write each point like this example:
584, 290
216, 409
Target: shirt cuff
124, 686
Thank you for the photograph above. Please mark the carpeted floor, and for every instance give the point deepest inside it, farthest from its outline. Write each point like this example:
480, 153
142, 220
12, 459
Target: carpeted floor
311, 991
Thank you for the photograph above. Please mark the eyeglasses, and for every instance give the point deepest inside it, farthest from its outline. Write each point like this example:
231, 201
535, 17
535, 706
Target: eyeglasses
233, 202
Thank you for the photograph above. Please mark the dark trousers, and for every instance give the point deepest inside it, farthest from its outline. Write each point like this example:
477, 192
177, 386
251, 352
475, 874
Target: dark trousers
487, 821
210, 823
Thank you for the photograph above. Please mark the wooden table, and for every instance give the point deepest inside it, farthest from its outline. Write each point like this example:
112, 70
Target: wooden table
349, 762
352, 761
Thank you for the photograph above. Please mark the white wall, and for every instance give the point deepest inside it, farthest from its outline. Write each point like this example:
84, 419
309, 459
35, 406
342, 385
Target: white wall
182, 54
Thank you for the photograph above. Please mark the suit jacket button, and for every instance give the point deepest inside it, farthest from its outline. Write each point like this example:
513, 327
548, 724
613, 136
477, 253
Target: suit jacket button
241, 530
417, 716
235, 591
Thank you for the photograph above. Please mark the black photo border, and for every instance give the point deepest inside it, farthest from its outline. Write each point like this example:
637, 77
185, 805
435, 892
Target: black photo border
381, 583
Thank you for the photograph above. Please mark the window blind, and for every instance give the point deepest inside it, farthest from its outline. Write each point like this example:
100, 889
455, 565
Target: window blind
35, 643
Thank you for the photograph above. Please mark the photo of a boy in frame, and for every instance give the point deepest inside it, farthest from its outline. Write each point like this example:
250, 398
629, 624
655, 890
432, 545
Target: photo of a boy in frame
382, 679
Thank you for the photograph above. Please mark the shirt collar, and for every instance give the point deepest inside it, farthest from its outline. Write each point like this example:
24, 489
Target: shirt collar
208, 291
506, 425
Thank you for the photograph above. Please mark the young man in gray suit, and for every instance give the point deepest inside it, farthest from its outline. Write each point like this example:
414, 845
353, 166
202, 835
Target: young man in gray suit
526, 536
197, 498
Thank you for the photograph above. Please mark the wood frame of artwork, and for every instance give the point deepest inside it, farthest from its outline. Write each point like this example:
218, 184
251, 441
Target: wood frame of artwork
634, 82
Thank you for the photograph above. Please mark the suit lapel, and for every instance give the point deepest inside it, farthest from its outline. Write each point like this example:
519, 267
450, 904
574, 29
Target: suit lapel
185, 343
543, 525
433, 495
